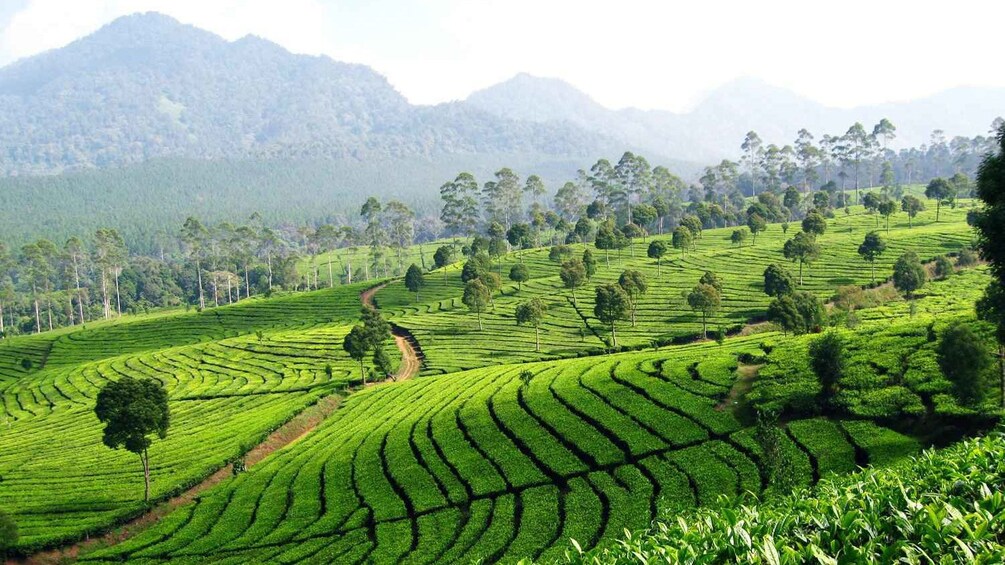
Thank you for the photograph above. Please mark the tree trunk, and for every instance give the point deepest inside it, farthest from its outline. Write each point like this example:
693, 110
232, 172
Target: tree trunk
80, 302
38, 318
659, 271
349, 271
537, 339
118, 300
247, 284
106, 305
269, 260
614, 334
331, 278
145, 458
872, 264
1001, 364
479, 315
800, 273
575, 303
1, 318
202, 299
704, 326
362, 372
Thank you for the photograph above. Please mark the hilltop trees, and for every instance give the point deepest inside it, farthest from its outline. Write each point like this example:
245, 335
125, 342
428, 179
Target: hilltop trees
532, 312
798, 312
872, 247
756, 224
682, 239
132, 411
940, 190
886, 209
814, 224
611, 304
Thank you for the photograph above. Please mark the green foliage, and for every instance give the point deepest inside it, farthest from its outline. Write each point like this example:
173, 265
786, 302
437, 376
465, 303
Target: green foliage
964, 360
827, 360
519, 274
414, 280
612, 303
814, 224
871, 249
778, 281
797, 312
943, 267
476, 297
132, 410
909, 274
946, 504
706, 299
8, 533
803, 249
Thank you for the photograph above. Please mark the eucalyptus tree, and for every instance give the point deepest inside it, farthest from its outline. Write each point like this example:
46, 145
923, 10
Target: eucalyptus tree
110, 257
535, 188
401, 224
809, 157
857, 145
374, 234
193, 237
942, 191
76, 255
802, 248
503, 197
327, 238
460, 205
37, 270
872, 247
751, 147
912, 205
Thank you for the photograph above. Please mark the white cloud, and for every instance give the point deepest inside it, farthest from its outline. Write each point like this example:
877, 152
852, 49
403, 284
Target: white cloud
633, 52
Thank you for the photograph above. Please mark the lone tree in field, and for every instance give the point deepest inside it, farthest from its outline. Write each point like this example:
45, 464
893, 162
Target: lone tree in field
778, 281
756, 224
682, 239
814, 223
886, 209
8, 534
706, 299
607, 239
476, 298
357, 345
657, 250
610, 306
414, 280
909, 274
912, 205
738, 237
635, 285
990, 224
519, 274
375, 327
532, 312
573, 275
942, 191
712, 279
943, 267
132, 411
872, 247
827, 361
964, 360
802, 248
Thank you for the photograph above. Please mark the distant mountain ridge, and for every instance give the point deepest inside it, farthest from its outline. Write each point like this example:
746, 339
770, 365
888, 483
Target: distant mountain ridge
715, 127
146, 86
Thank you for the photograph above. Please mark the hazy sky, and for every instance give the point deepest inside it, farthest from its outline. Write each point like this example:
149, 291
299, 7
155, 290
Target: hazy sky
656, 54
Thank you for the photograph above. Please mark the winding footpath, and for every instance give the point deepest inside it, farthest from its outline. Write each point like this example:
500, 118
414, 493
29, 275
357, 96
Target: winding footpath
411, 361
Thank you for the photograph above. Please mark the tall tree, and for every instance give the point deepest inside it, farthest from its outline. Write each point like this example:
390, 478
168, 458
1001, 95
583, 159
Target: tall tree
827, 361
460, 205
857, 146
706, 299
990, 224
912, 205
965, 361
111, 257
414, 280
886, 209
503, 198
573, 275
802, 248
751, 147
132, 411
356, 345
476, 298
611, 304
909, 274
657, 250
872, 247
532, 312
193, 236
634, 284
76, 255
940, 190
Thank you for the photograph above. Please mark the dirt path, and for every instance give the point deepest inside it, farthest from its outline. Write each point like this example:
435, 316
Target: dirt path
287, 434
735, 400
411, 362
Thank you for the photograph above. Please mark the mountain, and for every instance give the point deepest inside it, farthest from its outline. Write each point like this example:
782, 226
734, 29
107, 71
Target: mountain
146, 86
714, 128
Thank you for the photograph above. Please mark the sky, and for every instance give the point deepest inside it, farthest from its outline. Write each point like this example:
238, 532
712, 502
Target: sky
647, 54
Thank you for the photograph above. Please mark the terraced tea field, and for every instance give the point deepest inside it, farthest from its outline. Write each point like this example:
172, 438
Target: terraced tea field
449, 334
226, 394
486, 464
